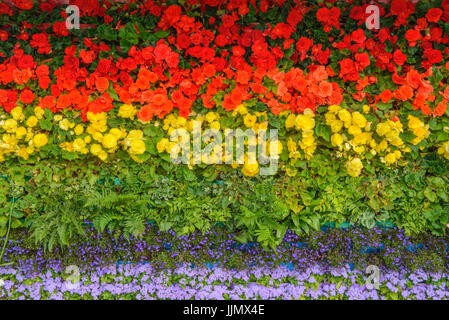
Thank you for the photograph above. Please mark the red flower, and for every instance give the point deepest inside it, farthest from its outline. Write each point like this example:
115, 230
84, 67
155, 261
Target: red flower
325, 89
294, 17
362, 60
412, 37
358, 36
102, 84
434, 14
404, 93
24, 4
27, 96
357, 13
440, 109
303, 45
60, 29
399, 58
433, 55
183, 41
323, 14
386, 95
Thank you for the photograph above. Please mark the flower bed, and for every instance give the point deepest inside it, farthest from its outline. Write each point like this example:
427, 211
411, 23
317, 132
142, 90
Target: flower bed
91, 117
143, 282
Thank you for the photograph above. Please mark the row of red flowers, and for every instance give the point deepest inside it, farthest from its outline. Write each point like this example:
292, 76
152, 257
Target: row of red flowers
222, 61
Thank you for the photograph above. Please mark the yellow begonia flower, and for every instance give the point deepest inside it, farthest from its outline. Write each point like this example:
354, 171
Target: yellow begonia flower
39, 112
249, 120
355, 167
20, 132
17, 113
137, 146
359, 119
337, 139
40, 140
344, 115
31, 122
250, 170
162, 145
109, 141
290, 121
127, 111
79, 129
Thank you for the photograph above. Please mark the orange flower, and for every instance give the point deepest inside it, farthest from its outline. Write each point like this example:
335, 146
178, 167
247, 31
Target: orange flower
159, 99
385, 95
325, 89
145, 114
404, 93
102, 84
440, 109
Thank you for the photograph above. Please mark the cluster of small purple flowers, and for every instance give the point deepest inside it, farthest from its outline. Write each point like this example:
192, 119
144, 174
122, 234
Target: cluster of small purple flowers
389, 248
327, 264
142, 281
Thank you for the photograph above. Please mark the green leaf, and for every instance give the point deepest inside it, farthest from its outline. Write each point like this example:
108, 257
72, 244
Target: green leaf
45, 124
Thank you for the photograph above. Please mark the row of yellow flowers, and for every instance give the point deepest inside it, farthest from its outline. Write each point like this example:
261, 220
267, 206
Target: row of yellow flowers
353, 137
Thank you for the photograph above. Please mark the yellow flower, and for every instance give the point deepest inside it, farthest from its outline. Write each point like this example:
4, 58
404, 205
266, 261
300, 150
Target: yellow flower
57, 117
96, 149
23, 153
336, 126
354, 130
64, 124
354, 167
330, 118
87, 139
290, 121
382, 146
215, 125
179, 122
31, 122
17, 113
359, 149
10, 125
109, 141
250, 170
116, 132
39, 112
304, 122
444, 150
344, 115
79, 145
135, 135
383, 128
241, 109
103, 155
414, 122
79, 129
211, 117
366, 108
162, 145
127, 111
307, 141
337, 139
249, 120
390, 158
334, 108
359, 119
97, 136
291, 145
40, 140
137, 146
20, 132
